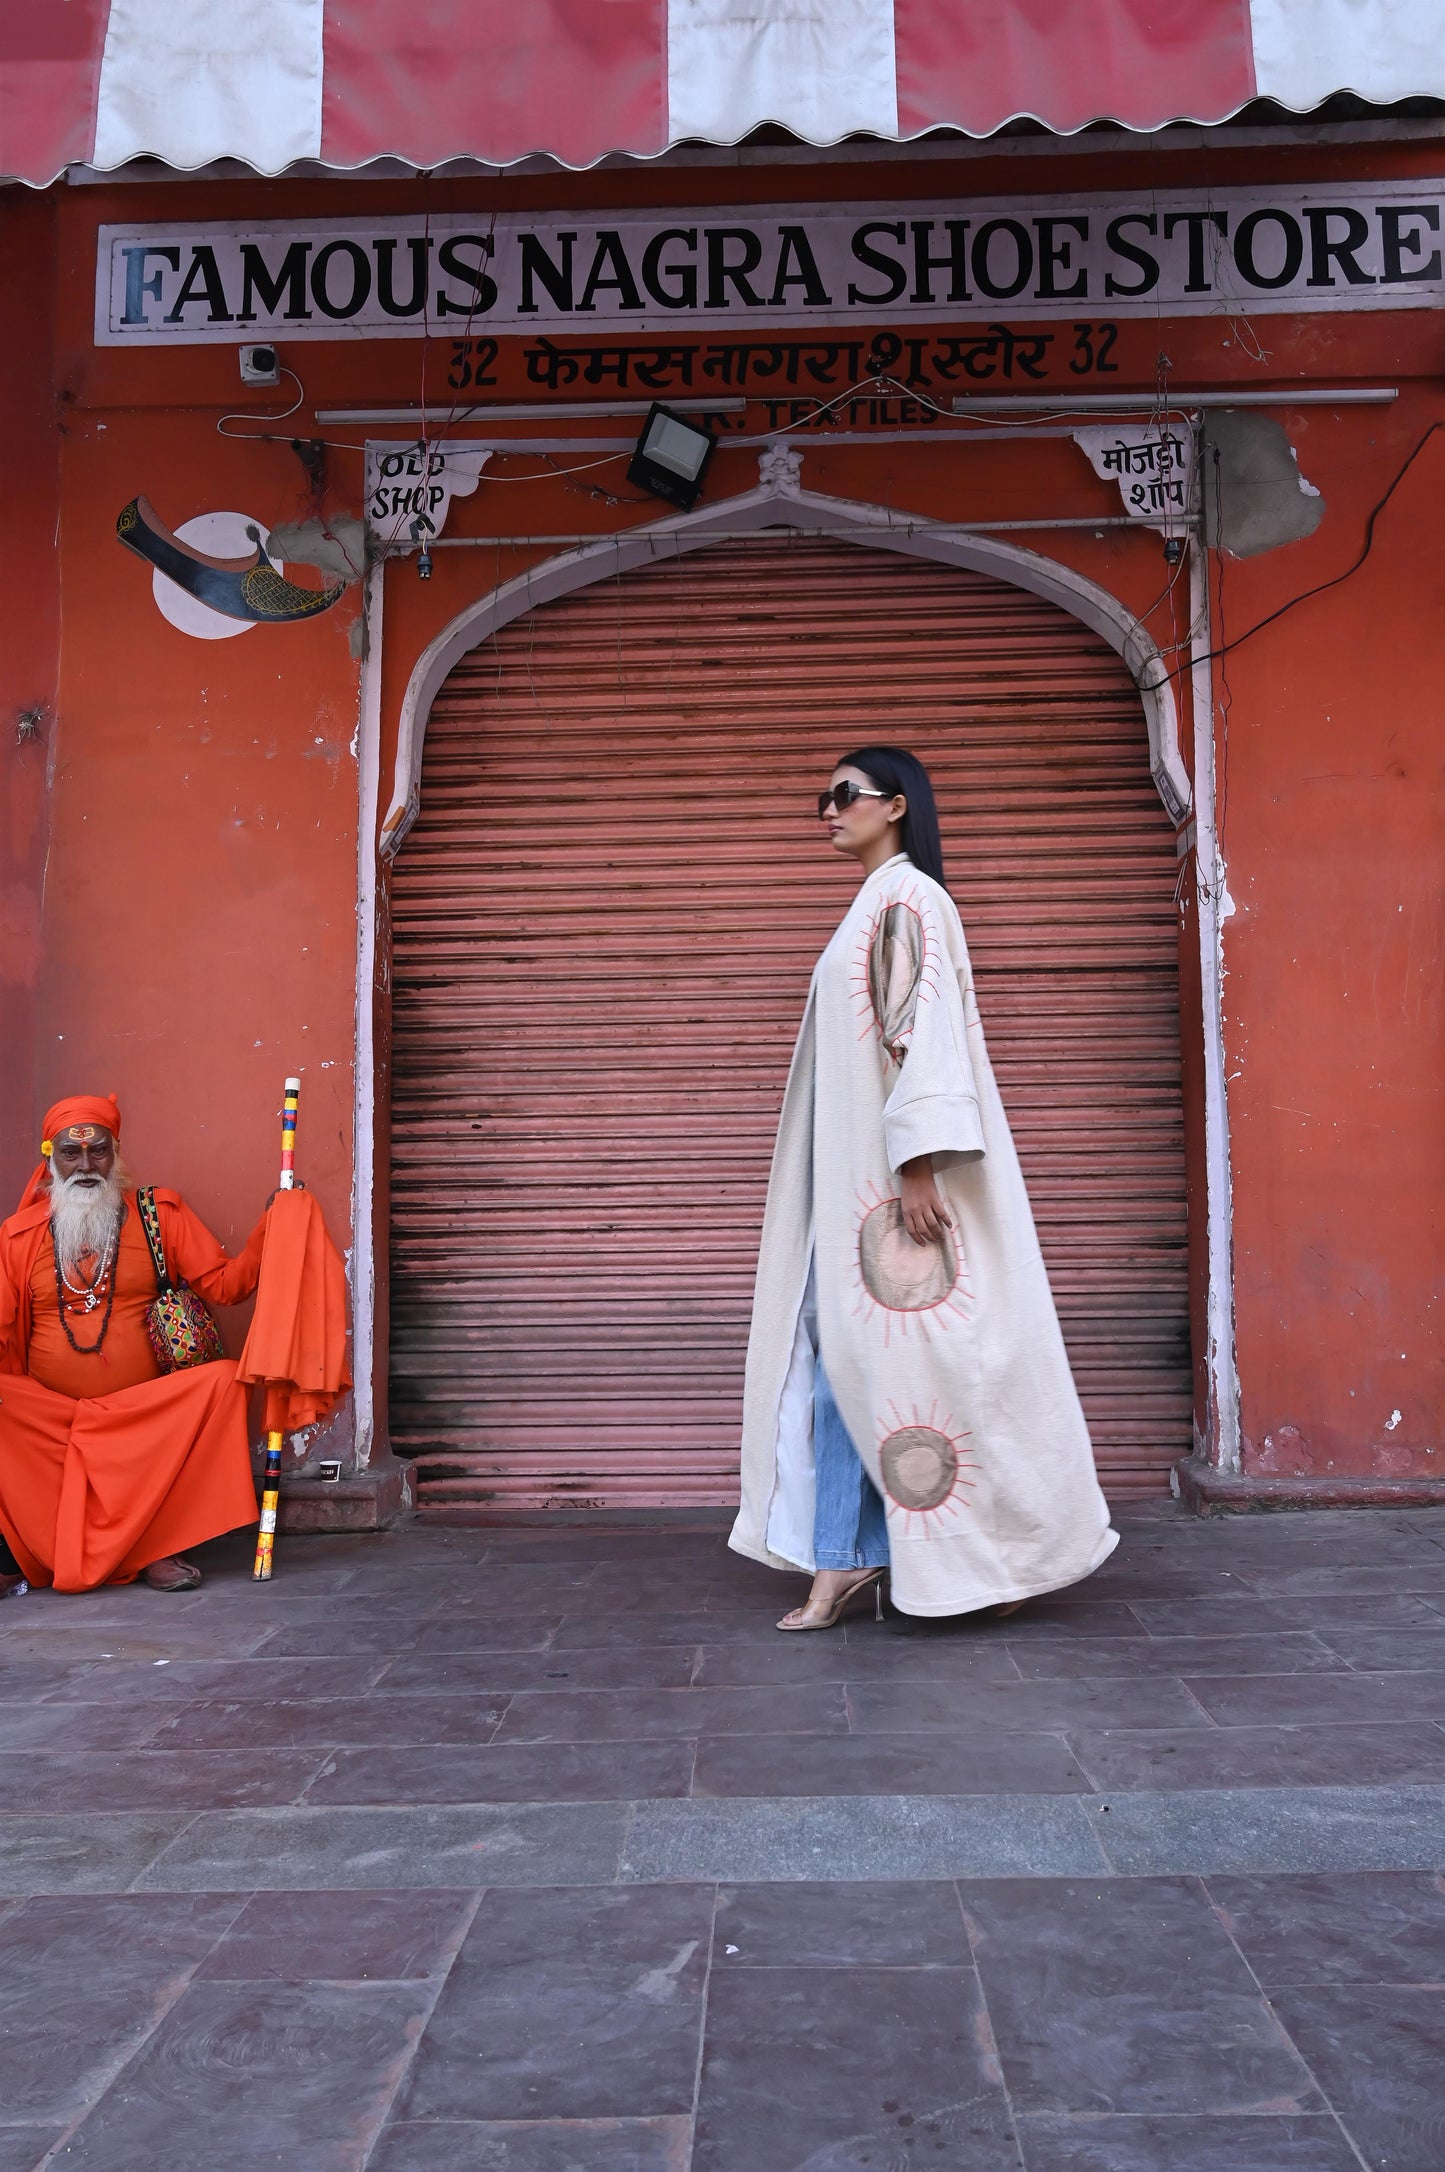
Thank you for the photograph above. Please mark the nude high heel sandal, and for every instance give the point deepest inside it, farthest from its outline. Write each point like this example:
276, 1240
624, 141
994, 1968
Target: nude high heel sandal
872, 1581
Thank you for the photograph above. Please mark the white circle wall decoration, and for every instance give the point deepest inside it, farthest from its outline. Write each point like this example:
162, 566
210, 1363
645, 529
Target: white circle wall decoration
229, 536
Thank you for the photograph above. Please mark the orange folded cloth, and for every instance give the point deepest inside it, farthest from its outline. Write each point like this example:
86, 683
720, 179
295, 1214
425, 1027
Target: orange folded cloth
297, 1344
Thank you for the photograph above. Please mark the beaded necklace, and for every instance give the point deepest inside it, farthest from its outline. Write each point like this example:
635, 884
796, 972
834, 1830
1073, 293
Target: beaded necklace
88, 1289
106, 1273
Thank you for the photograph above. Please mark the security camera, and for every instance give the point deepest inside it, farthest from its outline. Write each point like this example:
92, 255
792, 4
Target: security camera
260, 366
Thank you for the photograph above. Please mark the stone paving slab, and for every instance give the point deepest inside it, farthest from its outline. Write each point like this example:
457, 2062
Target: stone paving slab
101, 1781
1374, 1927
544, 2145
1229, 2142
88, 1852
1259, 1757
533, 1843
551, 1772
1278, 1829
289, 2074
867, 1836
538, 1850
967, 1763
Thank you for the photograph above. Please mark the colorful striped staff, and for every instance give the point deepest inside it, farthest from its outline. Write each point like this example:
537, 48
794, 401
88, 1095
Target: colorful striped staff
288, 1134
271, 1495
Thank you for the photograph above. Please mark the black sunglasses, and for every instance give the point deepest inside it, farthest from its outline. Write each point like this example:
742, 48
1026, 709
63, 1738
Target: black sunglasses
840, 797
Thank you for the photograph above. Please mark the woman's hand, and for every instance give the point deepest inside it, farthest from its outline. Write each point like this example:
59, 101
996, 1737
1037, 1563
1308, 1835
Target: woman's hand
925, 1217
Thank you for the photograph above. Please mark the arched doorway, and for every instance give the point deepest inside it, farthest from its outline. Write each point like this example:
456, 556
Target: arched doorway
594, 999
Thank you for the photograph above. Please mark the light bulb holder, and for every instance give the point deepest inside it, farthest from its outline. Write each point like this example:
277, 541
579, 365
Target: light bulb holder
423, 564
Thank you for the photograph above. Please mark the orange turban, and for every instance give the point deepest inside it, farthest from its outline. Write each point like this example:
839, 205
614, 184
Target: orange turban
100, 1109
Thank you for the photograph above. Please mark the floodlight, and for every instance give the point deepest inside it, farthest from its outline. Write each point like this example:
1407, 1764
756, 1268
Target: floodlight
671, 457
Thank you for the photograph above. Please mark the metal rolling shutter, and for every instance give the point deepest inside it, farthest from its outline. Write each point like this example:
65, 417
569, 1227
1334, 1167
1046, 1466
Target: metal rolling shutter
596, 998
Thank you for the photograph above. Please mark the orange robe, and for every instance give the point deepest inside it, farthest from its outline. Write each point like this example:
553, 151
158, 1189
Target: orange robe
105, 1464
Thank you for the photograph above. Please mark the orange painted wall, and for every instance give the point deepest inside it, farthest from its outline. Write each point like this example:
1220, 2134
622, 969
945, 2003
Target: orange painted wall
200, 930
29, 655
1332, 764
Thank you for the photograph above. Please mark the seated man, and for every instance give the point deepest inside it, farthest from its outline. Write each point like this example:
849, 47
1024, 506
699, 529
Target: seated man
109, 1467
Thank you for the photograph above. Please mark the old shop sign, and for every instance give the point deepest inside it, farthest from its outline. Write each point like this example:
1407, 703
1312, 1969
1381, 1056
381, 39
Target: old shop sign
1153, 464
1249, 250
409, 488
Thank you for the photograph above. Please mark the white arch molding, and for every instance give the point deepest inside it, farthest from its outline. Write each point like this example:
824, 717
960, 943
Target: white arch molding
778, 503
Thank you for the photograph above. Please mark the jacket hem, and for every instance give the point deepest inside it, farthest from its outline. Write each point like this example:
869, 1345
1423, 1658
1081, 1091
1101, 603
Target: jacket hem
768, 1560
1003, 1597
1009, 1593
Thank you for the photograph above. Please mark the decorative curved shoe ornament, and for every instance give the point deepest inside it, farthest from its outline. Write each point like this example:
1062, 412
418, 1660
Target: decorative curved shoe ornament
247, 588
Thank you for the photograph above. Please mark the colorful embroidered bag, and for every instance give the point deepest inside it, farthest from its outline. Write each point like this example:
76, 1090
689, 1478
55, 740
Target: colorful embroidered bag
179, 1324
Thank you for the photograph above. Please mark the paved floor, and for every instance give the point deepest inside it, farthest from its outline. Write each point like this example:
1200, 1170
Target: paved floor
463, 1851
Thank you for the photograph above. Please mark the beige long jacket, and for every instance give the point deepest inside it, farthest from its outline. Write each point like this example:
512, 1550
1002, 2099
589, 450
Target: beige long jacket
946, 1360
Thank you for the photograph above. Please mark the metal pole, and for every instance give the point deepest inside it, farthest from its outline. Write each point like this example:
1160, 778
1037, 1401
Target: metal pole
772, 535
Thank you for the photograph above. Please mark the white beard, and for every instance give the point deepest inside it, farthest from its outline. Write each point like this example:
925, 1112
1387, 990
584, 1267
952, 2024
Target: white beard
84, 1216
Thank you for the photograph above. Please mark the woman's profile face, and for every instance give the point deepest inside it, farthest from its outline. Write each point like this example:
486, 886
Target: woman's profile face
857, 830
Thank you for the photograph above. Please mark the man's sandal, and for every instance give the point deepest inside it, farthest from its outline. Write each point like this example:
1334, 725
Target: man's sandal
173, 1574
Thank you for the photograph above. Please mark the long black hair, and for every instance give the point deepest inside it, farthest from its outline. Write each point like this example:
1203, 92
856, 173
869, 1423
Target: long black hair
894, 769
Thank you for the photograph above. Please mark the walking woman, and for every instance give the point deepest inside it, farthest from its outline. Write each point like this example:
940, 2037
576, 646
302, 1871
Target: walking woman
909, 1408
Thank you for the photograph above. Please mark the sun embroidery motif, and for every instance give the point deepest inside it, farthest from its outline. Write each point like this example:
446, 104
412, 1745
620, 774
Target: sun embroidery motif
894, 965
907, 1283
926, 1468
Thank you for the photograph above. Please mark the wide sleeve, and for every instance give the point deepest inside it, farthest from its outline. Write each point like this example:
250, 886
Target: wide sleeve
193, 1255
917, 1001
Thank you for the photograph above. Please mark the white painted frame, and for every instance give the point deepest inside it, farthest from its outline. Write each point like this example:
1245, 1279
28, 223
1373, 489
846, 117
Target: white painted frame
782, 505
363, 1182
1220, 1442
779, 504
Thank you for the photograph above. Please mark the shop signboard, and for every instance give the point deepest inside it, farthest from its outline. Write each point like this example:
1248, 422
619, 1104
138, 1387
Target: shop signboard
1176, 252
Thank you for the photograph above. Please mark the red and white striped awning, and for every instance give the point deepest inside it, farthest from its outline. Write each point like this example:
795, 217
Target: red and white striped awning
271, 82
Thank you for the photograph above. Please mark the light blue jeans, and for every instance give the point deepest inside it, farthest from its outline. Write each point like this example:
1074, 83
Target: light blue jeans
849, 1529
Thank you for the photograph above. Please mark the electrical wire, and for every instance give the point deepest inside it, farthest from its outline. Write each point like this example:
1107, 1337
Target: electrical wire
1227, 647
1226, 695
1165, 595
385, 548
882, 384
878, 385
250, 415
